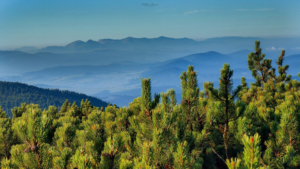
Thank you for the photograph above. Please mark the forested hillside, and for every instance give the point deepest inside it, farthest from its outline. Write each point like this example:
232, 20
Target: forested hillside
13, 94
251, 126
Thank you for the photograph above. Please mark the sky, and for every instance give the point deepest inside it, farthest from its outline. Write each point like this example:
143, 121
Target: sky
43, 23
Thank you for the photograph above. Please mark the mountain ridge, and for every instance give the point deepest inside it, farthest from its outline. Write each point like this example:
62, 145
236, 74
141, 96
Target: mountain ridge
167, 45
13, 94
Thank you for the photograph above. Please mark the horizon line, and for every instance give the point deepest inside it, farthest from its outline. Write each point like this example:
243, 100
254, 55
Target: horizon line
195, 39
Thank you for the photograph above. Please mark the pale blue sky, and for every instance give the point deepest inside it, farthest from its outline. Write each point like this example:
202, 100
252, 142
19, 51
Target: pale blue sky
58, 22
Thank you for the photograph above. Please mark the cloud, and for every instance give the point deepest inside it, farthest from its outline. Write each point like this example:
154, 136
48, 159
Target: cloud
193, 12
275, 48
262, 9
149, 5
265, 9
297, 48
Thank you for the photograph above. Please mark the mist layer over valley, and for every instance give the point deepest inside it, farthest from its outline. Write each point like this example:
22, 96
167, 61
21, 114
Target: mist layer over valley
111, 69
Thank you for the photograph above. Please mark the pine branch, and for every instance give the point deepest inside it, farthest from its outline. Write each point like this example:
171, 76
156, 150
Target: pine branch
217, 153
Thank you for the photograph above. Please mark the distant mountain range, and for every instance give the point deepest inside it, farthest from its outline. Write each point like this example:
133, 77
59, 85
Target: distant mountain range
123, 76
117, 66
13, 94
222, 44
140, 50
129, 43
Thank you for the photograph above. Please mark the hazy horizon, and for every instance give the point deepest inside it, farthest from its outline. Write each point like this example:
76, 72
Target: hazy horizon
93, 39
47, 23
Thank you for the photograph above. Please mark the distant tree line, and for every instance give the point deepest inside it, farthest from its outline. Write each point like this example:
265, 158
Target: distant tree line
13, 94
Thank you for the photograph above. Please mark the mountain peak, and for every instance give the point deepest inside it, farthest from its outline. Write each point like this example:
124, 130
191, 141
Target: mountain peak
163, 37
91, 41
78, 41
213, 52
129, 38
74, 44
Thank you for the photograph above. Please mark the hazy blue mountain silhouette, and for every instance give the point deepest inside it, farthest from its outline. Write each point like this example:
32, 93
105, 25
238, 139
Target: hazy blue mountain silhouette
126, 43
142, 50
28, 49
221, 44
240, 53
119, 64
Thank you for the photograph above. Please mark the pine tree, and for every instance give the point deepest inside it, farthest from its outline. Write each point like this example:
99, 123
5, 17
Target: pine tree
183, 160
261, 68
282, 77
7, 136
64, 108
86, 107
223, 109
190, 96
285, 140
33, 129
18, 111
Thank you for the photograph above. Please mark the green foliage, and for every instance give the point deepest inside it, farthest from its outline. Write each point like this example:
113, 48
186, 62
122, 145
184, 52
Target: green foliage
183, 160
190, 96
13, 94
7, 136
260, 67
223, 111
242, 128
252, 153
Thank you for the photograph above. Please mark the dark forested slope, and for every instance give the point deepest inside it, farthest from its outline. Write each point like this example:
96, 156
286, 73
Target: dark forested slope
13, 94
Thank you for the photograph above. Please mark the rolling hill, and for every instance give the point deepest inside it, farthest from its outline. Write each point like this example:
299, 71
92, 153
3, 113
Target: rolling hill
118, 64
142, 50
122, 76
13, 94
